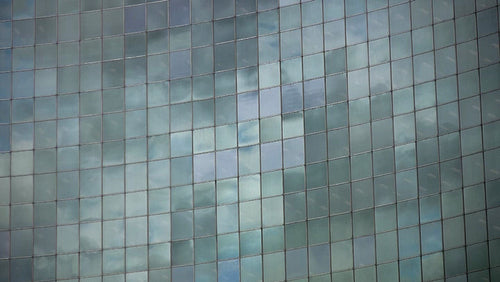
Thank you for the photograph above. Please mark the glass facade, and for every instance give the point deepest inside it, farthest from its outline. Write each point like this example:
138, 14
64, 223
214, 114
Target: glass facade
245, 140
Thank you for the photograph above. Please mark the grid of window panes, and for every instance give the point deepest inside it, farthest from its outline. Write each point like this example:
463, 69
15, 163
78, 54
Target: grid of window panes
227, 140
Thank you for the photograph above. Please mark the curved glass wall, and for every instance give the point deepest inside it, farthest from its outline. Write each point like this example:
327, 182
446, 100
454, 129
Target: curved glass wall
245, 140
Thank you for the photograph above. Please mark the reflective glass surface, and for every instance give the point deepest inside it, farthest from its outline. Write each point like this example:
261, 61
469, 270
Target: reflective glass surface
245, 140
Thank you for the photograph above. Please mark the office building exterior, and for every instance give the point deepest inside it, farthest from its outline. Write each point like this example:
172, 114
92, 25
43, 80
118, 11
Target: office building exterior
245, 140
